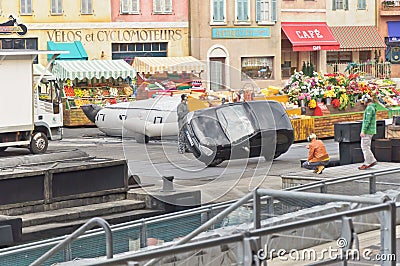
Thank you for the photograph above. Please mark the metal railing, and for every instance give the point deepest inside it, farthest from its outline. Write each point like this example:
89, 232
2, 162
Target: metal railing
186, 222
247, 255
80, 231
372, 68
369, 178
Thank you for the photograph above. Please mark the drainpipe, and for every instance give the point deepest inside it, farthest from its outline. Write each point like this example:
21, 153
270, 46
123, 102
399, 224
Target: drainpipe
190, 27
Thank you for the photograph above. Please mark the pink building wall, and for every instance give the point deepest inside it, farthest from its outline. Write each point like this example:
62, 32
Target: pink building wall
179, 12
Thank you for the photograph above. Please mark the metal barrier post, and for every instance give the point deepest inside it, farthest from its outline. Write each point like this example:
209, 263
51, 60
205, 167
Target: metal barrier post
256, 209
372, 184
324, 188
143, 235
388, 235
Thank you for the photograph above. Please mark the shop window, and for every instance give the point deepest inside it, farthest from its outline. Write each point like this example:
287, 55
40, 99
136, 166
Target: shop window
364, 56
130, 6
128, 51
15, 43
265, 11
342, 57
56, 7
257, 68
162, 6
26, 7
218, 11
242, 11
86, 7
361, 4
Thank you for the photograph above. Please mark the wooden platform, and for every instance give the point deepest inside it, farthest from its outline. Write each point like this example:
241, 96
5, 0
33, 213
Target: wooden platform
345, 172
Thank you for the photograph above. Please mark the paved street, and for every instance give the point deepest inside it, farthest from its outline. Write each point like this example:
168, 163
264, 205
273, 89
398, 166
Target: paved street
230, 180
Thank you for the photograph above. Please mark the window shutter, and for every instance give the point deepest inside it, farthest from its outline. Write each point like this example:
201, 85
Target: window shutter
135, 5
156, 6
90, 7
124, 6
346, 5
274, 18
59, 7
221, 10
215, 10
168, 6
245, 10
333, 4
258, 10
239, 10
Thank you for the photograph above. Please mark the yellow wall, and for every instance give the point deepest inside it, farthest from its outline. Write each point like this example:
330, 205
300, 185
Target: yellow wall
97, 40
71, 12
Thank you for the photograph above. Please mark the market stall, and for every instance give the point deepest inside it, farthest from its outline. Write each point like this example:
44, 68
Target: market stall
332, 98
157, 75
100, 82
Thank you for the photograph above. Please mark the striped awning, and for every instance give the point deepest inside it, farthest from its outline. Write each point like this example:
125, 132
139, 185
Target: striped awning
358, 38
152, 65
92, 69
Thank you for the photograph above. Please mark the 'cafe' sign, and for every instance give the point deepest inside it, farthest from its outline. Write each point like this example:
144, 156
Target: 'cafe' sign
309, 34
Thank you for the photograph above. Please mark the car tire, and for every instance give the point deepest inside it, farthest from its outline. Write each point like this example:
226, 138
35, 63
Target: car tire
39, 143
215, 162
142, 138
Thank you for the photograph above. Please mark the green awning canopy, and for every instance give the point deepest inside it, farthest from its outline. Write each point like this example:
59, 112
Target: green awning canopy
92, 69
76, 50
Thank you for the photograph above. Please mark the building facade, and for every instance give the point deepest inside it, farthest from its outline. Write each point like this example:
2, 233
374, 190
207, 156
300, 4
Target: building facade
234, 37
354, 24
105, 29
389, 27
301, 20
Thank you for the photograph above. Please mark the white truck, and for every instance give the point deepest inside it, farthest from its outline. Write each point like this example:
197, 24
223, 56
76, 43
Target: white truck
24, 113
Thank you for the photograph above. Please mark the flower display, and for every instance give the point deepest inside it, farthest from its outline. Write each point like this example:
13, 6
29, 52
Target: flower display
343, 90
312, 104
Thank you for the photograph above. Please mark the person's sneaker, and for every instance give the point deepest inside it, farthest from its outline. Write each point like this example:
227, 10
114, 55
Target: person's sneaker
363, 167
372, 164
320, 169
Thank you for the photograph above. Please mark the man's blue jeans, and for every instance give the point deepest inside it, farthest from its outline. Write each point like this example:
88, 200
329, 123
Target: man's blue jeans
314, 165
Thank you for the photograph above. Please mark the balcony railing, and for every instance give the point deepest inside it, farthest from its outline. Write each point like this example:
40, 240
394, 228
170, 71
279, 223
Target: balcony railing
372, 69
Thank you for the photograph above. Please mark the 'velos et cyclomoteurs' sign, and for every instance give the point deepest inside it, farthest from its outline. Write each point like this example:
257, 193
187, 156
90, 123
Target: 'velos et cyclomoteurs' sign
115, 35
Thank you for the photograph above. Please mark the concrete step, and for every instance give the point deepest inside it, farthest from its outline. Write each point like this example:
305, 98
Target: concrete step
54, 229
81, 212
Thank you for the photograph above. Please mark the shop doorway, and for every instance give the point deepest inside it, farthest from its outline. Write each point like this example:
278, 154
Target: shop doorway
217, 74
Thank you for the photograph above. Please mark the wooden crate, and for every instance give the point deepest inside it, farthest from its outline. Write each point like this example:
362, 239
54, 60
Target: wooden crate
302, 128
324, 125
76, 117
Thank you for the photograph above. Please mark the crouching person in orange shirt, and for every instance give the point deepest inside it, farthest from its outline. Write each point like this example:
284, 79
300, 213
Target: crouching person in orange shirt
318, 158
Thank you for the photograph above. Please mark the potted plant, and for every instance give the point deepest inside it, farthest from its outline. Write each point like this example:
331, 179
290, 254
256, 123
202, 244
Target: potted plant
388, 3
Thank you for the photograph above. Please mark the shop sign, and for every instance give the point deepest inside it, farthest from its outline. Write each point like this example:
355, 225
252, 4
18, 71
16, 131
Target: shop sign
241, 33
117, 35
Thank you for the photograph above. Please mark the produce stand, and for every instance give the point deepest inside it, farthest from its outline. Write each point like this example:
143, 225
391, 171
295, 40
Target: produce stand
100, 82
160, 75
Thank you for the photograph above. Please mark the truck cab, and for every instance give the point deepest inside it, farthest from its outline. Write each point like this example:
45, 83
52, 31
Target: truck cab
47, 103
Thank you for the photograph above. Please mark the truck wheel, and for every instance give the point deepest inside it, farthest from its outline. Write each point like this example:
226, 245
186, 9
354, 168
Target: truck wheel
141, 138
39, 143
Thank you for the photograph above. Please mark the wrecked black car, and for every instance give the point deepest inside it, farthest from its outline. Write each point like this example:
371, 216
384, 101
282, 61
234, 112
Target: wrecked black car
239, 130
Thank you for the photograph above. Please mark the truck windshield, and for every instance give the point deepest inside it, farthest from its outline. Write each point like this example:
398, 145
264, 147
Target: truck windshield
235, 122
